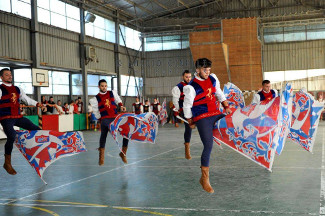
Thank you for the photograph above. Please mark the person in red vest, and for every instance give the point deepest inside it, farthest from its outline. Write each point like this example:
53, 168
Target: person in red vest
266, 93
200, 109
104, 106
137, 107
155, 107
10, 116
178, 100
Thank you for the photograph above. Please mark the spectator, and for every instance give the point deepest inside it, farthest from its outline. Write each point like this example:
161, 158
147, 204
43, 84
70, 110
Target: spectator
65, 108
44, 102
58, 108
80, 105
71, 107
75, 107
50, 106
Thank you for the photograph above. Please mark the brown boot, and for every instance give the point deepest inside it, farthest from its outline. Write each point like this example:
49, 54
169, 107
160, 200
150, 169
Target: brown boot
204, 180
7, 165
176, 125
123, 156
187, 151
101, 156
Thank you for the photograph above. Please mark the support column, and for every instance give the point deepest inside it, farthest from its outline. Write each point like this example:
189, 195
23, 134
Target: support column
143, 67
82, 51
116, 53
35, 45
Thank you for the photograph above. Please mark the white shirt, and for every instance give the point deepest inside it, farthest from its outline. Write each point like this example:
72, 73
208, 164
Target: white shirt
90, 109
94, 103
23, 97
55, 111
141, 107
257, 97
176, 95
151, 107
71, 109
190, 94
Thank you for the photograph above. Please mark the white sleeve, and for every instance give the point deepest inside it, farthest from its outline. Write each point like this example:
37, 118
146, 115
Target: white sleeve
0, 93
159, 108
26, 99
116, 97
94, 104
176, 95
141, 109
256, 99
276, 92
219, 93
190, 94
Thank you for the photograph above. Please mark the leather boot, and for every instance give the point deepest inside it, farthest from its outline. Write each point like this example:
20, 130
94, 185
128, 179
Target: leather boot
7, 165
187, 151
204, 180
101, 156
123, 156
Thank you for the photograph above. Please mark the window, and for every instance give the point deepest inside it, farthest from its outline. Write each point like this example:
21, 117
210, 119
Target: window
294, 33
280, 76
130, 36
23, 79
77, 84
101, 28
135, 84
93, 83
20, 7
59, 14
58, 84
167, 42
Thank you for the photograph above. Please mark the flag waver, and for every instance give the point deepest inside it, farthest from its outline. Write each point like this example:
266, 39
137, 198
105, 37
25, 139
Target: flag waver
41, 148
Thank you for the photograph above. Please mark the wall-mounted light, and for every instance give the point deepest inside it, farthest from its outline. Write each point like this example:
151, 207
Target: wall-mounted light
90, 18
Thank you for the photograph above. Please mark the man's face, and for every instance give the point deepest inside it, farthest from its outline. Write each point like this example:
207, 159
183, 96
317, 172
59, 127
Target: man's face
137, 100
59, 103
155, 100
203, 72
79, 100
147, 103
103, 87
51, 99
267, 87
6, 77
187, 77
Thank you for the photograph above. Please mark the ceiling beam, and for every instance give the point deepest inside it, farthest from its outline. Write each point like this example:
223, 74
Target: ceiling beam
180, 1
139, 6
161, 5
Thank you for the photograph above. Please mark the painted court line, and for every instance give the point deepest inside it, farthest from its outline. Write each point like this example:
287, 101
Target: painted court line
322, 190
220, 210
92, 176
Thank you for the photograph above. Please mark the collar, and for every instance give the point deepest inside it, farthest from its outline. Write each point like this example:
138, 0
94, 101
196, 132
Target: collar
102, 92
7, 84
199, 78
266, 92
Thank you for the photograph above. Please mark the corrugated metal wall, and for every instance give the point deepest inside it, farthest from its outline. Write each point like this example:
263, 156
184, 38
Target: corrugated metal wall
124, 61
15, 41
105, 55
294, 56
59, 48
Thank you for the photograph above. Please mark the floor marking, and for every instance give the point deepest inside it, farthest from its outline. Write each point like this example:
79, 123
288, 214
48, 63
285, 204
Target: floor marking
220, 210
98, 174
322, 190
34, 207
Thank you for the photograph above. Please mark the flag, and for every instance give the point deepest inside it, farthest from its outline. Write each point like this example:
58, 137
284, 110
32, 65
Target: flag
141, 128
257, 131
41, 148
234, 95
306, 112
163, 113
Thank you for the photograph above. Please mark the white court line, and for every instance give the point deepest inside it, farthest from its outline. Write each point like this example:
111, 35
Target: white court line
322, 184
220, 210
59, 205
92, 176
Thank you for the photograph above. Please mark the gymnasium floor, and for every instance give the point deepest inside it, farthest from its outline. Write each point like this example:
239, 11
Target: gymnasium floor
158, 180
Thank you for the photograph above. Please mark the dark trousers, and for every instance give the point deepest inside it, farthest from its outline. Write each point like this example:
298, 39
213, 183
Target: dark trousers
104, 126
205, 128
188, 131
8, 128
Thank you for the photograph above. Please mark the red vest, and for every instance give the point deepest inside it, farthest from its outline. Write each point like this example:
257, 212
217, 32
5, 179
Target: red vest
137, 108
155, 108
106, 105
182, 96
205, 101
9, 102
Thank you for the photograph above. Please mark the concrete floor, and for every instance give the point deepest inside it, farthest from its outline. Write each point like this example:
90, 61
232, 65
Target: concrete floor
159, 181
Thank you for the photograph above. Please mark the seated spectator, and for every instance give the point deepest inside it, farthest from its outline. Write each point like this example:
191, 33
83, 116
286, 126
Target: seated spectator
75, 107
50, 106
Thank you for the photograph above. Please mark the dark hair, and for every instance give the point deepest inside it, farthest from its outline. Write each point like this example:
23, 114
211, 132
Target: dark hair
100, 81
146, 101
75, 100
3, 70
51, 97
59, 100
203, 63
186, 72
65, 103
79, 98
266, 82
72, 101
